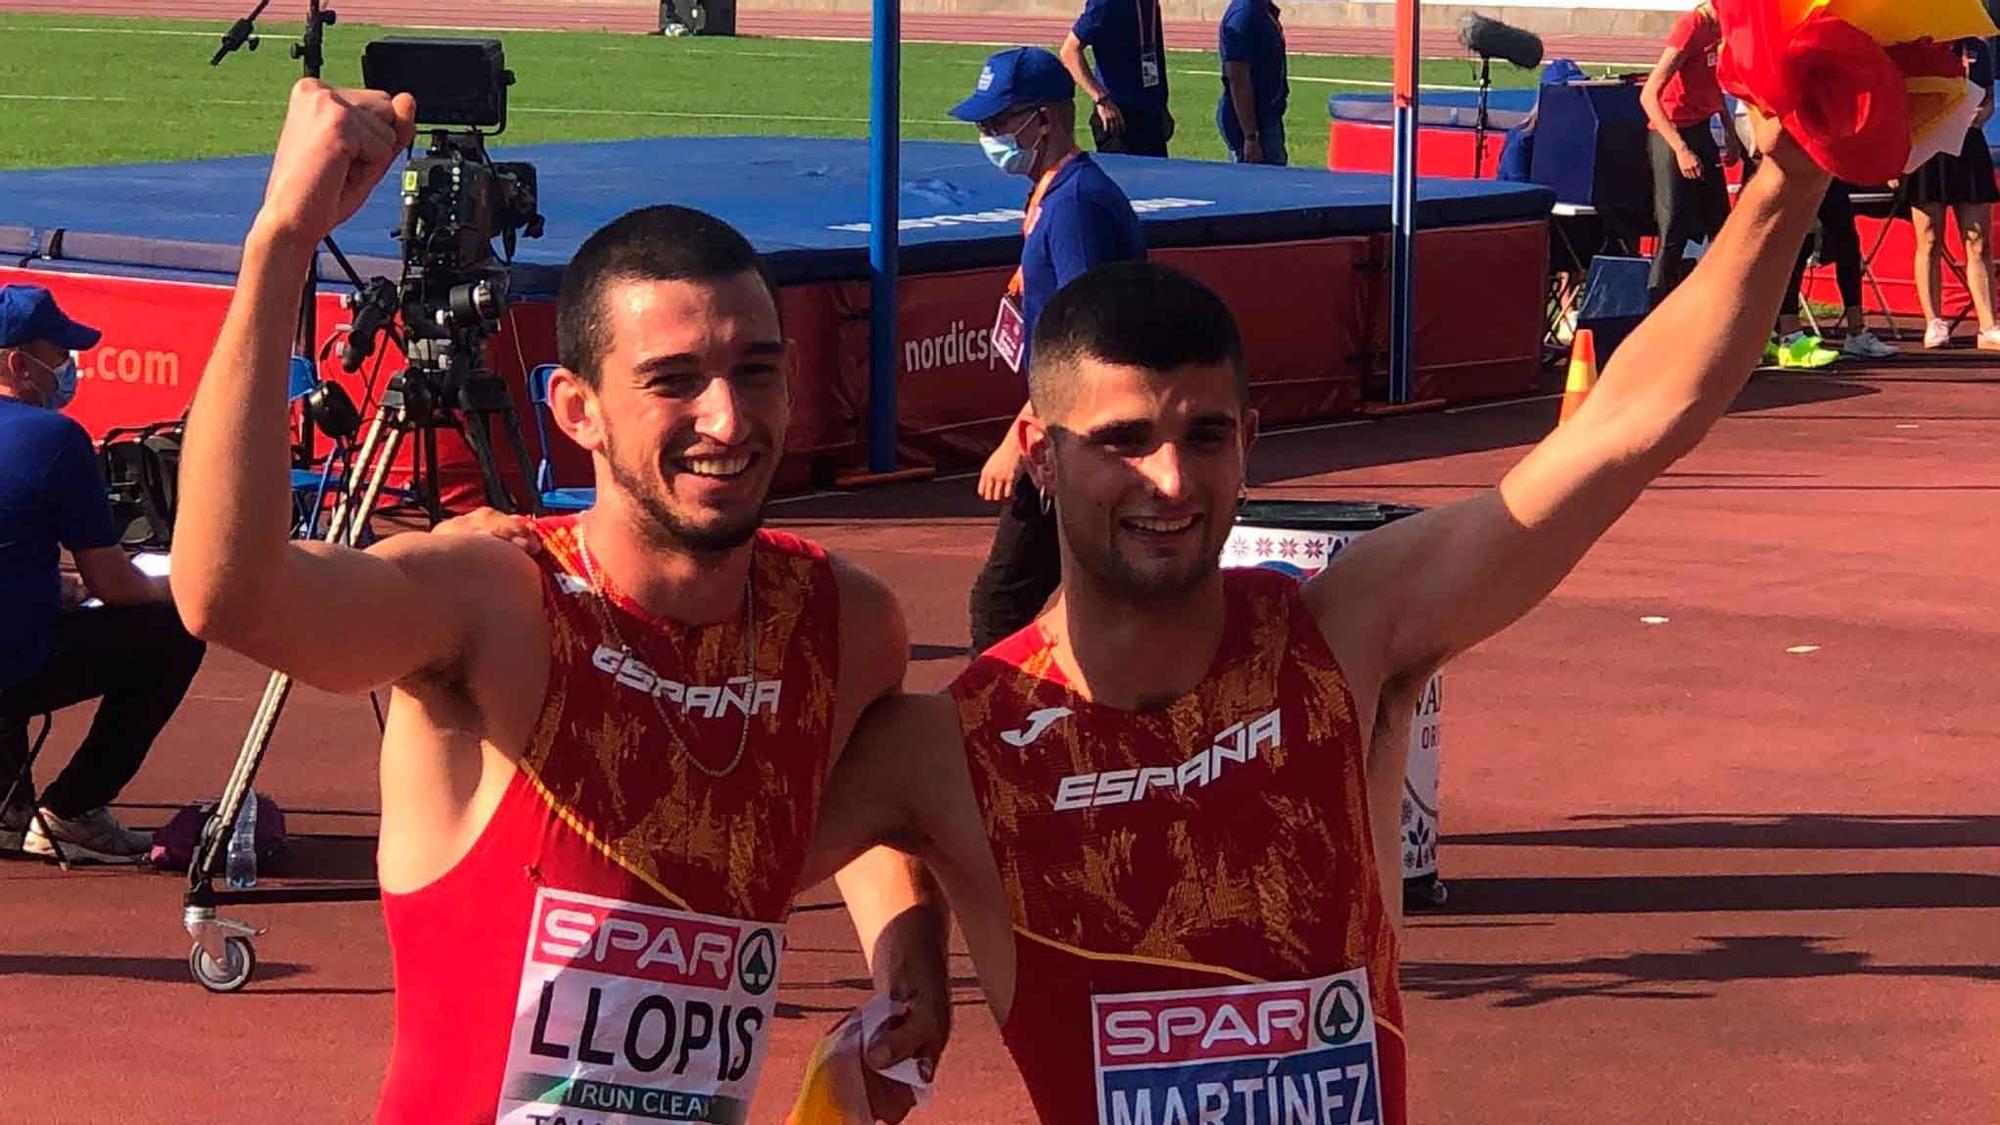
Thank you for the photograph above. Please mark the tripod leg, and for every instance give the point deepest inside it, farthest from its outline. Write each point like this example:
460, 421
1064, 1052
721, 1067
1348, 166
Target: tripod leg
479, 436
433, 493
215, 832
371, 494
511, 425
357, 475
384, 439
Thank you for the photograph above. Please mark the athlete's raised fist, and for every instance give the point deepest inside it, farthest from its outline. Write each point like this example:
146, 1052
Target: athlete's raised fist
334, 149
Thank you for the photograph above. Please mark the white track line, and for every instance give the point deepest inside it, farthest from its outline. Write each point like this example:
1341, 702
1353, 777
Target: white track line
1478, 406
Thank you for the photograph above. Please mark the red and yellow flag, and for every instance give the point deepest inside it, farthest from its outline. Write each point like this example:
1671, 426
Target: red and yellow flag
1869, 88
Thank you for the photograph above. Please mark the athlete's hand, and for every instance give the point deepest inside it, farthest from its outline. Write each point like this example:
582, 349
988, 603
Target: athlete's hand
996, 480
912, 1031
1785, 155
1690, 164
518, 530
335, 147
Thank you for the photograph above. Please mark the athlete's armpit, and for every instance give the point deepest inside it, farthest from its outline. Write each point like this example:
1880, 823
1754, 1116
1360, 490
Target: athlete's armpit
897, 762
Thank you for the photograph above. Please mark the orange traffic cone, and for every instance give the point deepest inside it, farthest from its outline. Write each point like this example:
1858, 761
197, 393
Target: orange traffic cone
1582, 373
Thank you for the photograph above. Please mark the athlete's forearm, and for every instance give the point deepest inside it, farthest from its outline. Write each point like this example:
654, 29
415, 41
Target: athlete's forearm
1679, 370
898, 912
231, 530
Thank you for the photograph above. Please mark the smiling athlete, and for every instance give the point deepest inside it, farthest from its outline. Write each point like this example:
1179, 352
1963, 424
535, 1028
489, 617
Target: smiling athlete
1165, 812
1160, 812
602, 764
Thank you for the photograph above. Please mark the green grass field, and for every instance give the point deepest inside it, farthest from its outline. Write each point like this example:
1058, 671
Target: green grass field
100, 91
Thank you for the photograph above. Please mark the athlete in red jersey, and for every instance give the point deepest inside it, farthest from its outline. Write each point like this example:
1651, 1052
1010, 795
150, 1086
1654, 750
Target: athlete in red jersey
602, 766
1155, 809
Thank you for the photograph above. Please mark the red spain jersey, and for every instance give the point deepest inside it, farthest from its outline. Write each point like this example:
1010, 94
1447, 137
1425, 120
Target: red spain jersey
609, 948
1200, 933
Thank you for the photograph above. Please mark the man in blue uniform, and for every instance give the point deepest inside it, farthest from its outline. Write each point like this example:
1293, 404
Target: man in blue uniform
131, 652
1251, 112
1025, 108
1129, 85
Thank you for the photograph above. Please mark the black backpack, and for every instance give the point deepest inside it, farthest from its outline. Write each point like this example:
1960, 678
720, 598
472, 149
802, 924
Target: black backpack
142, 467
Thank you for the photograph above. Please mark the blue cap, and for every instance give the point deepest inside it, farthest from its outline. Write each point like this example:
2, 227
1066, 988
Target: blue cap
1019, 76
29, 313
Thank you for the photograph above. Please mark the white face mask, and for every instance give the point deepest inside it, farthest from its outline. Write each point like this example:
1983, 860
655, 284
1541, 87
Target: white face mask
1006, 153
65, 379
65, 388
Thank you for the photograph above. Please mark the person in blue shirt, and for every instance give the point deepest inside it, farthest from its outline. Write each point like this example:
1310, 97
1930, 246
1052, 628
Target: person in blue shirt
1024, 106
1128, 88
1251, 112
131, 652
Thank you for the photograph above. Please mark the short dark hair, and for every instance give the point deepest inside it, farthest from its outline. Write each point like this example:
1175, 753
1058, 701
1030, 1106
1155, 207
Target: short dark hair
1136, 314
663, 243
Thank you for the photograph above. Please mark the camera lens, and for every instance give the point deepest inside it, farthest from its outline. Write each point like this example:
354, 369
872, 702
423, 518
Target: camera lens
476, 303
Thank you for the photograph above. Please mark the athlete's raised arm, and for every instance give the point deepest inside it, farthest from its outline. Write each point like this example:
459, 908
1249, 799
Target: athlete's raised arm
332, 617
1404, 599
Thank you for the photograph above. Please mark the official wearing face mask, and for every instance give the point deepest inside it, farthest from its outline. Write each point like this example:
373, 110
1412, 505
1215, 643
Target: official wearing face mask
1024, 105
130, 652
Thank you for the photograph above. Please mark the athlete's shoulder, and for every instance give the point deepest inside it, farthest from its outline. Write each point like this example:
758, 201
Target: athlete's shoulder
784, 543
874, 635
794, 561
1024, 655
1258, 590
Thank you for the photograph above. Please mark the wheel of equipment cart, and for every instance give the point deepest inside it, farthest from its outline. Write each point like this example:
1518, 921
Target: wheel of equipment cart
239, 964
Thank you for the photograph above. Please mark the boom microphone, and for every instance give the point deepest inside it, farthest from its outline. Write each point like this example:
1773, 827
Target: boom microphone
1491, 39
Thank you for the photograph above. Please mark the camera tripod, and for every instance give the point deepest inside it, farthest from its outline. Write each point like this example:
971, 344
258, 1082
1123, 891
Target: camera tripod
418, 401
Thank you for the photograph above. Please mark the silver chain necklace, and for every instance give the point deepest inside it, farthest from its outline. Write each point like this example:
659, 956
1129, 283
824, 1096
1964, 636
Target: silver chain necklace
749, 655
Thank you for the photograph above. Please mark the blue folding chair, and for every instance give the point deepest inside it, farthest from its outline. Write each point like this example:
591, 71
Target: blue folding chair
310, 486
553, 498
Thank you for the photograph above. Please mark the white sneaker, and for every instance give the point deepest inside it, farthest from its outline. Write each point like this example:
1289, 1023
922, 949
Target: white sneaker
91, 837
1937, 334
1866, 345
1988, 340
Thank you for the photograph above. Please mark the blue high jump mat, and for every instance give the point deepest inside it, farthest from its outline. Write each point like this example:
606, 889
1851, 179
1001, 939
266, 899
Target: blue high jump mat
803, 202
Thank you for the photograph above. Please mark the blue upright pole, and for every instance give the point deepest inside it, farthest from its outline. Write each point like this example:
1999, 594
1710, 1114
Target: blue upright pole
884, 170
1403, 208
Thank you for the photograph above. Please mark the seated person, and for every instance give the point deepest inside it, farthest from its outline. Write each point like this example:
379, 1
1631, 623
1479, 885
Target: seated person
131, 652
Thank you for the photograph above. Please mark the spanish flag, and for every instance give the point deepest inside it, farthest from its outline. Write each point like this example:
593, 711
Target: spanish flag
1869, 88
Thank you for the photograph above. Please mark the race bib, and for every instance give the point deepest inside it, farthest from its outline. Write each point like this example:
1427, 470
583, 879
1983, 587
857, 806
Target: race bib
631, 1013
1149, 68
1296, 1051
1008, 333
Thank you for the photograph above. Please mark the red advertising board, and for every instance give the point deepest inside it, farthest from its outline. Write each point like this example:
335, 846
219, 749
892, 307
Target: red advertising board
1310, 313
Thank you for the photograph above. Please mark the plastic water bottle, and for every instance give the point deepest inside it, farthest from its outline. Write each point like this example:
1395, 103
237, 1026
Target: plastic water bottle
243, 844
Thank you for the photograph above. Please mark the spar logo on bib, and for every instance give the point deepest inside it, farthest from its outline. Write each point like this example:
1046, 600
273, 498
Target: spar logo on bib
1293, 1053
631, 1013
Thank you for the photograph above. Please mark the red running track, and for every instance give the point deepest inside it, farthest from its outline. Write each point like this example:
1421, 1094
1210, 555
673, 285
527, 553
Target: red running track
1696, 877
1439, 42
